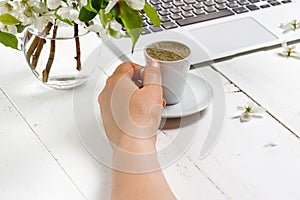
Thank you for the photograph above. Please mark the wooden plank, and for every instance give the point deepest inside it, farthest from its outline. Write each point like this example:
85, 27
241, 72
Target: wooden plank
271, 80
254, 160
27, 169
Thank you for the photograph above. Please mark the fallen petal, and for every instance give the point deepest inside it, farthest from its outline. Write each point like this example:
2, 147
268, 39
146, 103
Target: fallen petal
240, 108
284, 45
245, 117
257, 116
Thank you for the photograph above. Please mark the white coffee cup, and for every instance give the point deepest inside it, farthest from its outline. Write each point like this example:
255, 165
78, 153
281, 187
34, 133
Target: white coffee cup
174, 66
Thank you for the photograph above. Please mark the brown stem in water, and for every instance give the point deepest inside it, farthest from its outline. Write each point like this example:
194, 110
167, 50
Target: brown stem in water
36, 42
32, 48
51, 56
35, 57
78, 59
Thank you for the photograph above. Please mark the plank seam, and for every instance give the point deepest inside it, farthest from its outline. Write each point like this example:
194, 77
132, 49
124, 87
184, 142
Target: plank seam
208, 178
269, 113
43, 144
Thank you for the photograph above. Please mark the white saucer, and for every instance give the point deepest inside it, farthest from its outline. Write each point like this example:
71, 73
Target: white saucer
197, 96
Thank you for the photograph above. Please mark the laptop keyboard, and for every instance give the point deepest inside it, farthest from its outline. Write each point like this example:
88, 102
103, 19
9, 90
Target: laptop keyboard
177, 13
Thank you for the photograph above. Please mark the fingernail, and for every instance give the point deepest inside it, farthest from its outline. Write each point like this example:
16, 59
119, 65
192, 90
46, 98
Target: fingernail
154, 63
141, 74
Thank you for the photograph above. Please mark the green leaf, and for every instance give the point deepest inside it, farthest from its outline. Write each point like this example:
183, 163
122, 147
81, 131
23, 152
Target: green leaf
62, 19
96, 4
103, 4
115, 14
8, 19
132, 21
20, 28
105, 18
152, 14
90, 7
86, 15
9, 40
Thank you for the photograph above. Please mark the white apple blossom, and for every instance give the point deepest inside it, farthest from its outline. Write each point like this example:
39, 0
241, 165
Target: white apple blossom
100, 30
4, 7
136, 4
289, 50
38, 13
40, 22
68, 13
249, 111
8, 28
291, 26
53, 4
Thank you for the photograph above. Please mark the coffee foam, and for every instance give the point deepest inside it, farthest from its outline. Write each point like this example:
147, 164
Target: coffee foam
174, 47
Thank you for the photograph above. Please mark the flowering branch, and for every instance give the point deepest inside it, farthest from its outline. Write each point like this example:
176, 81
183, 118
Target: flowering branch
15, 15
115, 17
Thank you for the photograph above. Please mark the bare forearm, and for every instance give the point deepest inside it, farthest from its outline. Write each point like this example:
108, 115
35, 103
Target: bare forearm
146, 186
138, 176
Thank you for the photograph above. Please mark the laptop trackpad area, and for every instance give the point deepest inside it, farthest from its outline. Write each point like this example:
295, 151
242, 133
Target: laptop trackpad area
233, 37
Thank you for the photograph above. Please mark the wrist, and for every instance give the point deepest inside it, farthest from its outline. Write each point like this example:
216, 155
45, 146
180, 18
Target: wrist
136, 145
135, 156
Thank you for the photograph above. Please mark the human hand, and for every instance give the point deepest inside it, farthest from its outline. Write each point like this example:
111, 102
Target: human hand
131, 115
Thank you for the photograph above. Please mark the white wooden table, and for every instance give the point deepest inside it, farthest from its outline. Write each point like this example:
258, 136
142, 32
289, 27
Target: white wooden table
42, 156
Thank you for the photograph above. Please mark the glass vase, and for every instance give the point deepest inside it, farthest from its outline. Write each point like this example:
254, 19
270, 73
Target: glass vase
61, 57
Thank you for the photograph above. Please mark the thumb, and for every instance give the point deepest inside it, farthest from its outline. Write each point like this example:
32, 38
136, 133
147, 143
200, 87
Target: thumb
152, 81
151, 74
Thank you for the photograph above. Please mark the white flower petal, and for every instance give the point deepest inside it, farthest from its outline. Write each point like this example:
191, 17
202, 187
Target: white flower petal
98, 29
250, 104
95, 28
115, 26
64, 12
2, 27
257, 116
52, 4
284, 45
104, 35
240, 108
110, 5
136, 4
292, 47
74, 14
245, 117
41, 22
83, 2
288, 26
297, 54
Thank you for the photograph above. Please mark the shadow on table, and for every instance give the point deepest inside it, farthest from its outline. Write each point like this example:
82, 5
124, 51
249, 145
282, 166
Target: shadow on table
181, 122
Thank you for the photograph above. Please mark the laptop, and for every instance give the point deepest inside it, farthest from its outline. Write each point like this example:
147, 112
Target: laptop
224, 29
